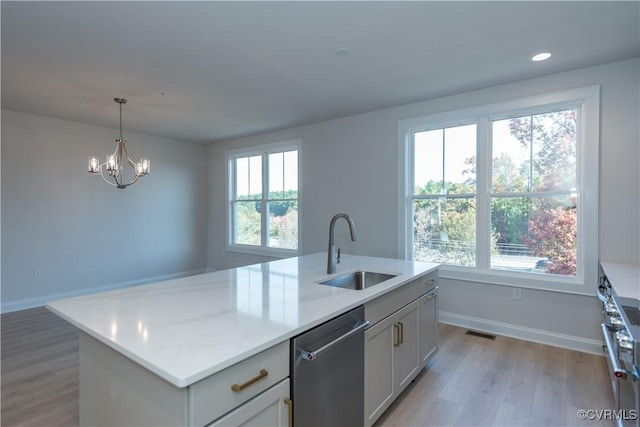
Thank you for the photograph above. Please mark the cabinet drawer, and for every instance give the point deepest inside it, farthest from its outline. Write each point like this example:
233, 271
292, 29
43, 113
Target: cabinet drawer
218, 394
383, 306
269, 408
428, 282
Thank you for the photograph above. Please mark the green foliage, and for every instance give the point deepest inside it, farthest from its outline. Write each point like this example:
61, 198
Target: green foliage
247, 224
283, 230
279, 207
509, 218
444, 229
283, 220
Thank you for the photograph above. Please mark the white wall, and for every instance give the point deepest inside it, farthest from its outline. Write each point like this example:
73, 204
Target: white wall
83, 234
351, 165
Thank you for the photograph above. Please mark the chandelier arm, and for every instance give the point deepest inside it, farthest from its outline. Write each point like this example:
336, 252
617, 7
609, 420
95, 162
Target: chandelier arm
104, 178
126, 154
119, 185
133, 181
127, 185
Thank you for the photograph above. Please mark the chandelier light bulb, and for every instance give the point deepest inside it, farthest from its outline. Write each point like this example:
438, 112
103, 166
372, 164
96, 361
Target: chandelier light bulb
94, 165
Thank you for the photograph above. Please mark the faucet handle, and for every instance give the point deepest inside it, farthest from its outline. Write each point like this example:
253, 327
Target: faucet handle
338, 257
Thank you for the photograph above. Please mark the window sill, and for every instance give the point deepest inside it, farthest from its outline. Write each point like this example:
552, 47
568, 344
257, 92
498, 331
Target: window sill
262, 251
552, 283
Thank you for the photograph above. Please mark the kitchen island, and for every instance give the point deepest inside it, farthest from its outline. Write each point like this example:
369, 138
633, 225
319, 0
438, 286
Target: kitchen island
184, 332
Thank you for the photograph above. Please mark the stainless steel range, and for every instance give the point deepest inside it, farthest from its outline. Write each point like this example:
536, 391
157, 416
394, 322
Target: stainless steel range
619, 291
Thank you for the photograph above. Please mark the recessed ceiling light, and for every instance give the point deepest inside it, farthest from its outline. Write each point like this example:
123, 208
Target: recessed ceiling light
541, 56
343, 52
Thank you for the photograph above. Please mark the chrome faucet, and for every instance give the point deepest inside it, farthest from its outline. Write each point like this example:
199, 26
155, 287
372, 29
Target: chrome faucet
331, 254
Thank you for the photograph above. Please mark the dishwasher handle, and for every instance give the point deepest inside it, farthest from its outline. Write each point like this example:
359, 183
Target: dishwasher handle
312, 355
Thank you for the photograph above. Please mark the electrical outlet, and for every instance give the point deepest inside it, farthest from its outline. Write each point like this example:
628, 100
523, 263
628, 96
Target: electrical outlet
37, 273
517, 294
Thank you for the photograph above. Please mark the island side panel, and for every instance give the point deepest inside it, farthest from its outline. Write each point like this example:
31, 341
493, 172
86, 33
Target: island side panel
116, 391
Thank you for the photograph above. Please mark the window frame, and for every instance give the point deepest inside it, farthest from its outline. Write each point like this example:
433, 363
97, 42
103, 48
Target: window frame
587, 101
264, 151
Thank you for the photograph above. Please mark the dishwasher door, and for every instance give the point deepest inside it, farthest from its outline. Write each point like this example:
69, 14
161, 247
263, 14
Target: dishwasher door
327, 384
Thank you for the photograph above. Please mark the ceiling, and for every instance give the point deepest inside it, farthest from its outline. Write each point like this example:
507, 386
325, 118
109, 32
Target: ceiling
210, 71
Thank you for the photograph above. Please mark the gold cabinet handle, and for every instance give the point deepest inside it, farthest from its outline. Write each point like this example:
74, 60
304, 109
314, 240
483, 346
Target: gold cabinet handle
432, 294
289, 404
396, 341
401, 340
239, 387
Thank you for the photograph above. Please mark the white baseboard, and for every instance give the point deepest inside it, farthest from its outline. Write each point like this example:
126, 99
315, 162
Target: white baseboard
8, 307
555, 339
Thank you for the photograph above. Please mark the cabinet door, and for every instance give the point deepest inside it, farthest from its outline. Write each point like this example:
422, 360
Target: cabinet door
269, 408
378, 369
406, 349
428, 327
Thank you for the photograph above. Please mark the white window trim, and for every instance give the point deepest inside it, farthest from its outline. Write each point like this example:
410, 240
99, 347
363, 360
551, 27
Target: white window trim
293, 144
586, 279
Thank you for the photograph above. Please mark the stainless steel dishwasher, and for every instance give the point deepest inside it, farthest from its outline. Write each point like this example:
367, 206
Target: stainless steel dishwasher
327, 371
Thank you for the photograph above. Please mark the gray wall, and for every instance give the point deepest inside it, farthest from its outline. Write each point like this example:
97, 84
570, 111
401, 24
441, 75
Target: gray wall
81, 233
86, 236
351, 165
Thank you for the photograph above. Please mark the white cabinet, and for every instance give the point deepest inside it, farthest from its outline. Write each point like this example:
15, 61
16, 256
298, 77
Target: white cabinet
114, 390
271, 408
399, 344
378, 369
428, 326
406, 364
391, 359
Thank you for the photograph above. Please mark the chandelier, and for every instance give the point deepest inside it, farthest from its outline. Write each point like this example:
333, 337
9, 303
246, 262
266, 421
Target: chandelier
116, 162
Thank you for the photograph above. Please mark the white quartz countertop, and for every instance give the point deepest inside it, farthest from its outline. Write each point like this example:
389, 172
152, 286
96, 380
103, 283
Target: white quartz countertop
186, 329
625, 278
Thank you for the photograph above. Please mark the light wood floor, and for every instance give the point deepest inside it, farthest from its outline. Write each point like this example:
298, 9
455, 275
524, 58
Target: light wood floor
475, 381
470, 381
39, 369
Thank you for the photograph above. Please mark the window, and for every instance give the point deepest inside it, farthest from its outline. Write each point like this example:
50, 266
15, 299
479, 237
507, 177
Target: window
444, 202
263, 199
533, 193
505, 190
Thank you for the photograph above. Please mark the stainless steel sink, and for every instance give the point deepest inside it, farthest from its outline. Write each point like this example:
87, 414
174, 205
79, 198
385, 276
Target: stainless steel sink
358, 280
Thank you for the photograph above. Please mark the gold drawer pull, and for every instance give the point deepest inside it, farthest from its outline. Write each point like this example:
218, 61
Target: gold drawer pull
401, 340
397, 341
289, 404
237, 388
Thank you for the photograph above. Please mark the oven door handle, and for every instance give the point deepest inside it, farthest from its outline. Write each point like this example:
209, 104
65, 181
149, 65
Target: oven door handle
601, 292
615, 364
